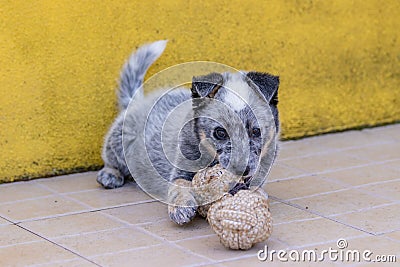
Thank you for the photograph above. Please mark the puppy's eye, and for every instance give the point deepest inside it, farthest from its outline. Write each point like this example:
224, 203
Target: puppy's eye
220, 133
256, 132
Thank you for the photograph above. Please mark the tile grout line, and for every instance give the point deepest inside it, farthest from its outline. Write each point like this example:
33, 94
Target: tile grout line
287, 202
58, 245
246, 255
321, 173
377, 183
89, 208
233, 258
329, 241
347, 188
333, 150
173, 244
127, 223
57, 216
125, 250
26, 199
192, 238
390, 238
7, 219
60, 215
67, 196
21, 243
391, 231
319, 194
53, 262
324, 216
298, 220
362, 209
168, 242
87, 233
287, 249
346, 168
376, 195
163, 240
359, 187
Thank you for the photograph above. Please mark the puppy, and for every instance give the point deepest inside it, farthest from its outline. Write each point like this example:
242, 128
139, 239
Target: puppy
226, 118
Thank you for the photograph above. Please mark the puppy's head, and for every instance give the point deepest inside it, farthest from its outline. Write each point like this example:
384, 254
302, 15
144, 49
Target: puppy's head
237, 113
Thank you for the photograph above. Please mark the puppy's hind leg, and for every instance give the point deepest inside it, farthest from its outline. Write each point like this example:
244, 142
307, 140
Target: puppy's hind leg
110, 178
115, 170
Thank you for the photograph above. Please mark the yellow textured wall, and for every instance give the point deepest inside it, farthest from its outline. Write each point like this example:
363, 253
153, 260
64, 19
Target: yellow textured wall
59, 61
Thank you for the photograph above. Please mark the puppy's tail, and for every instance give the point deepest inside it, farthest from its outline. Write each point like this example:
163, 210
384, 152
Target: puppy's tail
134, 70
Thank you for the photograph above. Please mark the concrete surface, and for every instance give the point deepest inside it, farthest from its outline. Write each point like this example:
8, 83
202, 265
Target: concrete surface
59, 61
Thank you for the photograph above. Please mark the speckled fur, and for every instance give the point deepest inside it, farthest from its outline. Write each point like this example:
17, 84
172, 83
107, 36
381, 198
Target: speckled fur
257, 90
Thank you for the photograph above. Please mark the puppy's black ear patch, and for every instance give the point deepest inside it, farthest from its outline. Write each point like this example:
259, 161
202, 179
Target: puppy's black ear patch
268, 85
207, 85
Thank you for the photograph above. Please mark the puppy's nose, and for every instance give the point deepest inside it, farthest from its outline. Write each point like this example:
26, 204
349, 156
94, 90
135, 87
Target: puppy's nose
246, 171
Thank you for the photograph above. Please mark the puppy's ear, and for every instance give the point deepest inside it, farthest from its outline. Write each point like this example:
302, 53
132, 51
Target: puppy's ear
267, 84
207, 85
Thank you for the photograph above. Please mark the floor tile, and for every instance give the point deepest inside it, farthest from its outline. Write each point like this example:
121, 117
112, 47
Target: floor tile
389, 132
358, 245
283, 213
281, 171
300, 187
3, 221
349, 139
33, 253
140, 213
376, 244
107, 241
326, 162
162, 255
393, 235
213, 265
351, 179
328, 143
211, 247
171, 231
303, 233
389, 190
77, 262
339, 202
71, 183
366, 174
300, 148
72, 224
12, 234
254, 261
374, 220
105, 198
378, 152
39, 208
21, 191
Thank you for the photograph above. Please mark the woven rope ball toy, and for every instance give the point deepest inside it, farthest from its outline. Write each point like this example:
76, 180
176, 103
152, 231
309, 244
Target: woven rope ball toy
240, 220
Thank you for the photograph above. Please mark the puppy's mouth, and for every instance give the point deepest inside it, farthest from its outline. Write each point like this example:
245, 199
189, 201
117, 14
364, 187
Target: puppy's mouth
247, 179
245, 185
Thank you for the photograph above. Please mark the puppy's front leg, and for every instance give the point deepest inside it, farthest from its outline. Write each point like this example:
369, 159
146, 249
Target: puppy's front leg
183, 206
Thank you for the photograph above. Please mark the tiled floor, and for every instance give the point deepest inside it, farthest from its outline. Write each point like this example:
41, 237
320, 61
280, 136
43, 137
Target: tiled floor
344, 185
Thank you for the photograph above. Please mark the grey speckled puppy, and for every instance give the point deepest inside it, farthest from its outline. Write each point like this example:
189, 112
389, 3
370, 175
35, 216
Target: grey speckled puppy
245, 145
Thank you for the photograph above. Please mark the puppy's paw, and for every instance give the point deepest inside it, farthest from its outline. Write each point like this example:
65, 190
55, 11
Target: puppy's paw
182, 215
110, 178
183, 206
